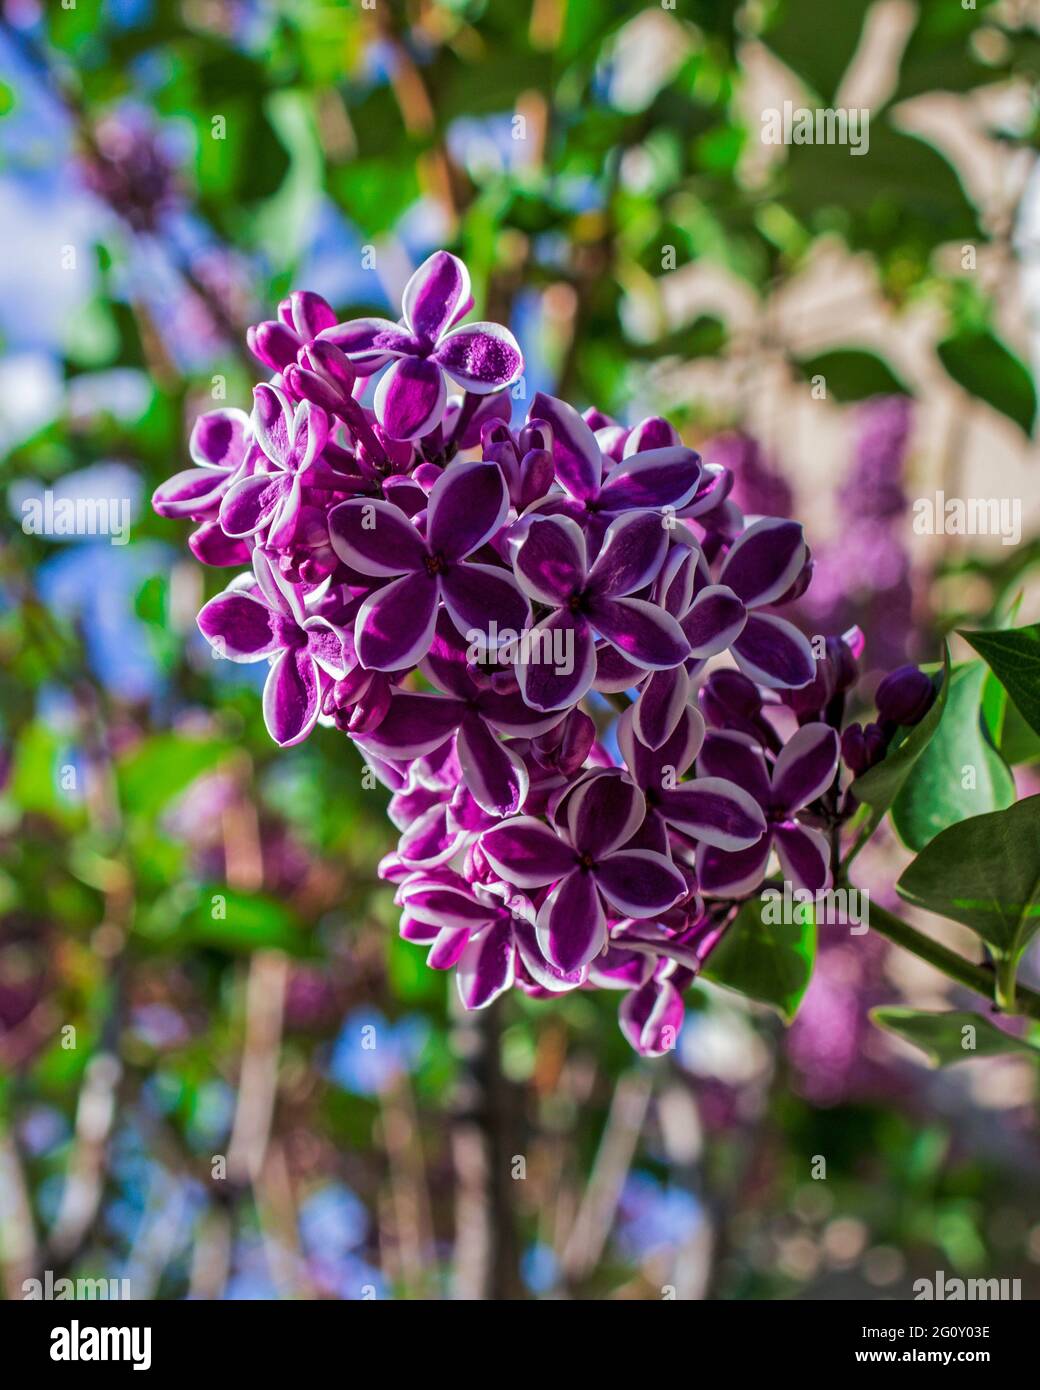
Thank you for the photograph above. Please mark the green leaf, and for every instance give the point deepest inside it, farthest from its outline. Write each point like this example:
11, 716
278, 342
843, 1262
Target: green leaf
985, 368
985, 873
162, 767
852, 374
1014, 658
818, 53
769, 962
879, 786
243, 922
934, 795
949, 1038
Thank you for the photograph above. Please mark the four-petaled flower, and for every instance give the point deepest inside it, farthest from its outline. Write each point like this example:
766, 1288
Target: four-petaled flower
426, 346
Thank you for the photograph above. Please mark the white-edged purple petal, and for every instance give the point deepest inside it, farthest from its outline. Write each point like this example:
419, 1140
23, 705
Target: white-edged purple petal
290, 701
487, 966
603, 813
370, 343
804, 855
410, 398
395, 625
772, 652
722, 874
714, 811
468, 505
639, 882
654, 480
660, 706
571, 927
550, 560
715, 620
192, 492
737, 758
526, 853
375, 537
436, 294
486, 601
560, 662
806, 766
480, 357
650, 1017
579, 463
241, 627
414, 725
494, 774
765, 561
219, 439
640, 630
630, 556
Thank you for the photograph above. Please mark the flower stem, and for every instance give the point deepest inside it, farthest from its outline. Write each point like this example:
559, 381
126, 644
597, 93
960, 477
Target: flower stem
1002, 995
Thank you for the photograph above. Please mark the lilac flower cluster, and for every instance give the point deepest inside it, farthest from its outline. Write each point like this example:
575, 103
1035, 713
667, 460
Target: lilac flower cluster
468, 601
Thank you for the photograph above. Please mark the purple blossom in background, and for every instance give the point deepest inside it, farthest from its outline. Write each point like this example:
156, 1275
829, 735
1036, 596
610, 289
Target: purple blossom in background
457, 596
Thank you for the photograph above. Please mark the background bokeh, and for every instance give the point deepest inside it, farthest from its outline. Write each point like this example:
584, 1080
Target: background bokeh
279, 1099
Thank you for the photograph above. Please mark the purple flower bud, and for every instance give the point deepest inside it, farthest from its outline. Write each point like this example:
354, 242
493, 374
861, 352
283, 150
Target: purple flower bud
905, 695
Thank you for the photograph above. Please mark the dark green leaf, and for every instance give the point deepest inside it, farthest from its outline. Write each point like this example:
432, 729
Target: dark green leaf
949, 1038
1014, 658
985, 368
985, 873
851, 374
769, 962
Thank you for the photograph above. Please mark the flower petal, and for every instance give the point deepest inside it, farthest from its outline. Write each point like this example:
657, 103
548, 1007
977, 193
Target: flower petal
250, 503
660, 706
550, 560
804, 855
604, 812
240, 627
765, 561
579, 463
571, 927
656, 479
395, 625
375, 537
291, 697
806, 766
192, 492
640, 882
772, 652
437, 292
496, 776
414, 725
714, 811
630, 555
219, 439
640, 630
487, 966
714, 620
526, 852
651, 1016
369, 343
723, 874
467, 506
560, 662
410, 398
737, 758
480, 357
485, 603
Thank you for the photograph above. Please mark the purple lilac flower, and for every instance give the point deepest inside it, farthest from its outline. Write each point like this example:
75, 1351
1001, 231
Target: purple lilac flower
461, 619
265, 618
427, 346
804, 770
